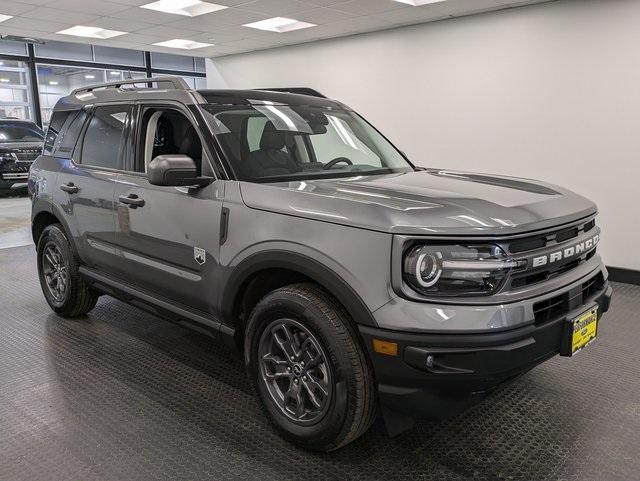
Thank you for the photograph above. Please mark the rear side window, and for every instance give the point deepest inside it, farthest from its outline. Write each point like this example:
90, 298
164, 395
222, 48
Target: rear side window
104, 138
63, 132
68, 137
55, 128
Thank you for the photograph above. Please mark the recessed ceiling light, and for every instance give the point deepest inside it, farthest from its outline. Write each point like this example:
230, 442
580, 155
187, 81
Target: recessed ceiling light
4, 80
114, 73
183, 44
190, 8
5, 17
279, 24
92, 32
53, 82
419, 3
89, 77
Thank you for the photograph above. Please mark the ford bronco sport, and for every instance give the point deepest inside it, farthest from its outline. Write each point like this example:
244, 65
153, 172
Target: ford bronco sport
283, 223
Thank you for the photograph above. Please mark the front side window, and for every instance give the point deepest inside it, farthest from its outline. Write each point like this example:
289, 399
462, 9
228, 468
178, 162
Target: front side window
104, 138
16, 131
271, 143
168, 131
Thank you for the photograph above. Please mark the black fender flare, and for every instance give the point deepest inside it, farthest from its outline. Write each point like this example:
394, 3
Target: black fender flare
41, 206
302, 264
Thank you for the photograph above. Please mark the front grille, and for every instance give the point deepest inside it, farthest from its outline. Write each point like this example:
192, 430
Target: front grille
559, 306
521, 248
14, 168
27, 155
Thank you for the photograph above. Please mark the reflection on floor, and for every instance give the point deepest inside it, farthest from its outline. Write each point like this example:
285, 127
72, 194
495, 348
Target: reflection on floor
122, 395
15, 222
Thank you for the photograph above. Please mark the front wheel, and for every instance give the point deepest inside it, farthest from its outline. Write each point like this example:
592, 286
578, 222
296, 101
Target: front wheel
306, 364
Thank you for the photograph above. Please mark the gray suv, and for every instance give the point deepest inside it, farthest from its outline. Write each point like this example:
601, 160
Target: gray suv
355, 284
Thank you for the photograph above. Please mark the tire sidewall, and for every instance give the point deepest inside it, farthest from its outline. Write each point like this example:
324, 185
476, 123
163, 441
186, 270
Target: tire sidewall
53, 234
287, 305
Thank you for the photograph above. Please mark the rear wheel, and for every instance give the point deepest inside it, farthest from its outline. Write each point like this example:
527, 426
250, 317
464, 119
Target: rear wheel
308, 368
63, 288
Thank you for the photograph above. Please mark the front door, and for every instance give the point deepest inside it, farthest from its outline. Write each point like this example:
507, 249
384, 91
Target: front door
168, 237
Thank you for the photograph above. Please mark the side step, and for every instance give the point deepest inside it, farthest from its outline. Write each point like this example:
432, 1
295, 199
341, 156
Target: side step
160, 307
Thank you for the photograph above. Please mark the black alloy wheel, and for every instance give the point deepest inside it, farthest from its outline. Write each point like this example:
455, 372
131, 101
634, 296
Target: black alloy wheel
295, 371
55, 271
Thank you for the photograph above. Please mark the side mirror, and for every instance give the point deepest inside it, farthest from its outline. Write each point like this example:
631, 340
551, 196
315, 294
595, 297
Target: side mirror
175, 171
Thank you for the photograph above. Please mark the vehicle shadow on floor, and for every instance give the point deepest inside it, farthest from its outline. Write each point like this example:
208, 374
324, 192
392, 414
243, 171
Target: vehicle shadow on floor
175, 390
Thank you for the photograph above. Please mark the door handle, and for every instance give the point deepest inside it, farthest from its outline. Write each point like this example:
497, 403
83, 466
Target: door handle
70, 188
132, 200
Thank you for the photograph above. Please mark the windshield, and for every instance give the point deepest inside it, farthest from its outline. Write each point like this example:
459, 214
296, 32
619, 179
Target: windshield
271, 143
20, 132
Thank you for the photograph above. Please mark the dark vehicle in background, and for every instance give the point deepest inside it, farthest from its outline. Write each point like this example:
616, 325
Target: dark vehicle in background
20, 144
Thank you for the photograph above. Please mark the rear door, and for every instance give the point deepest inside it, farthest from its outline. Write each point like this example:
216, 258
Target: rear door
169, 236
87, 182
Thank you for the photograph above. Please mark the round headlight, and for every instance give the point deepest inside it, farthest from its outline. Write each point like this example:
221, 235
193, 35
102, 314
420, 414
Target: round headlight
428, 268
456, 270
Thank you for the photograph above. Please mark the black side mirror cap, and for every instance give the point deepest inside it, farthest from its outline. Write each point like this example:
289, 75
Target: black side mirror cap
175, 170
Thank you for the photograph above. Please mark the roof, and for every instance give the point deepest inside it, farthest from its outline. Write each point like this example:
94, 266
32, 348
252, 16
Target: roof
175, 88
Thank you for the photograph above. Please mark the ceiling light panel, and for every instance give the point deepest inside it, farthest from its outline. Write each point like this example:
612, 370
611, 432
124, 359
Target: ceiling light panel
419, 3
279, 24
183, 44
5, 17
188, 8
91, 32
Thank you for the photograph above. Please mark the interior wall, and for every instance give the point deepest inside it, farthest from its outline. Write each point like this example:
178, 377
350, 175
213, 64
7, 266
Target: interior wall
548, 91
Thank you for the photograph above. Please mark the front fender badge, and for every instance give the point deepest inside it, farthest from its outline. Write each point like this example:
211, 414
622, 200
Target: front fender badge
200, 255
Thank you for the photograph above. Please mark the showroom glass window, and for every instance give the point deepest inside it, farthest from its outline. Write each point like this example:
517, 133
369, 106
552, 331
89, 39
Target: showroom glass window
15, 90
104, 138
56, 81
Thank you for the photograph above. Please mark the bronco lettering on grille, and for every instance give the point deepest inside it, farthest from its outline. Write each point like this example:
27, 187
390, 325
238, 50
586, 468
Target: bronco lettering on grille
567, 252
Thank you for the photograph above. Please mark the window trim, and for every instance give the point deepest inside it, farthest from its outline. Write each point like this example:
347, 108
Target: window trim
138, 136
77, 152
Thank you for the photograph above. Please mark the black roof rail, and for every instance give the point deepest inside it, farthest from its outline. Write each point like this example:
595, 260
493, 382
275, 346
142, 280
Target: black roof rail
176, 83
298, 90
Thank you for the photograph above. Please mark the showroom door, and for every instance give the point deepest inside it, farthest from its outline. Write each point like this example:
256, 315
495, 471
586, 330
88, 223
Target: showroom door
169, 236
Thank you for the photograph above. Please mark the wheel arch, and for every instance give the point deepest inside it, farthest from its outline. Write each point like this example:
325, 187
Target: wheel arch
301, 268
44, 216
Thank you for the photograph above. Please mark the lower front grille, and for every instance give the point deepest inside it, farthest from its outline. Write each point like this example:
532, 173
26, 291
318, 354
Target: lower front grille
23, 176
559, 306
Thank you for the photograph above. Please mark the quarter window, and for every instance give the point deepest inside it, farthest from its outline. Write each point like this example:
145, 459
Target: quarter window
104, 138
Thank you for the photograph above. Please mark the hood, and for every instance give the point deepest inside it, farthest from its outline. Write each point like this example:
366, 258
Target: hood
427, 202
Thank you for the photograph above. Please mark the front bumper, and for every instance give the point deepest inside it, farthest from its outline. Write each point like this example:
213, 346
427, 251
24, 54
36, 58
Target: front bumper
465, 367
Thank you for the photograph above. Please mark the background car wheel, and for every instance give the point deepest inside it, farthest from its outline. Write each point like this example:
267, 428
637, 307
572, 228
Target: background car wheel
305, 361
63, 288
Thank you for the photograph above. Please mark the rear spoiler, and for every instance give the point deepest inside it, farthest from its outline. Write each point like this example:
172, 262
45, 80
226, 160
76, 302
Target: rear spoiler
299, 91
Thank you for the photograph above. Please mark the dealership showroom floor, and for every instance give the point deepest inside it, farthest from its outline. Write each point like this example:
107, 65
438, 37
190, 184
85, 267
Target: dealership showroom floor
458, 247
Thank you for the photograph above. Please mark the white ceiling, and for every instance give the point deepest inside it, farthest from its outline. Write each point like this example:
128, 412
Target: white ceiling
335, 18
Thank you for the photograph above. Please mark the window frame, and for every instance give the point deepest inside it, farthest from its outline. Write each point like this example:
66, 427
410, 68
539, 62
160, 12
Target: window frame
137, 136
125, 151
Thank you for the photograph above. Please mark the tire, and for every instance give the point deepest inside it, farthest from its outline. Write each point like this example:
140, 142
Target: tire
321, 329
75, 298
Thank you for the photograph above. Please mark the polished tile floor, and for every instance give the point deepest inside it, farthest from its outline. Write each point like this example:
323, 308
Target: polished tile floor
121, 395
15, 221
